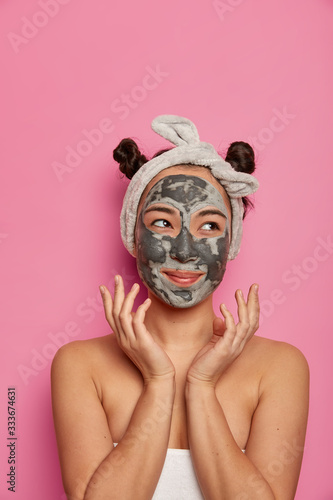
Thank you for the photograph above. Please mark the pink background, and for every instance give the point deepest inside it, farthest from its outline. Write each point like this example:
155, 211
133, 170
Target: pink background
70, 67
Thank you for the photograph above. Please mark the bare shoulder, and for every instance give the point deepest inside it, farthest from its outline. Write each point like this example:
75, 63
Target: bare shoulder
279, 361
83, 434
279, 421
275, 351
85, 355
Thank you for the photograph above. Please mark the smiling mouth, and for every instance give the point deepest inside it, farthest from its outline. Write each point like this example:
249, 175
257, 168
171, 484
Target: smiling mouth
182, 278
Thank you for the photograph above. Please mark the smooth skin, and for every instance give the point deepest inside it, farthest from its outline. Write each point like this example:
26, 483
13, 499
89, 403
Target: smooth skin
171, 378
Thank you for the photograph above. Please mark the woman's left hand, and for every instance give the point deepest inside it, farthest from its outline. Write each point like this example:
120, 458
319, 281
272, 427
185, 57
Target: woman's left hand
228, 339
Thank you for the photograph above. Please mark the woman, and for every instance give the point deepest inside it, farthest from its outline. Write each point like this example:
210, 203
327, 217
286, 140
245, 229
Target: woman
179, 402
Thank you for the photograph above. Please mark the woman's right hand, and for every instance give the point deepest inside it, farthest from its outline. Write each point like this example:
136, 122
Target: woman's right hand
131, 333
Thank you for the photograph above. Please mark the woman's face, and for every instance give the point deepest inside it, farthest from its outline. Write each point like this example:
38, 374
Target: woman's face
182, 235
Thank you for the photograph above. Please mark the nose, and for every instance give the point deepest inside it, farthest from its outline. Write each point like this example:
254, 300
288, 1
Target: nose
182, 248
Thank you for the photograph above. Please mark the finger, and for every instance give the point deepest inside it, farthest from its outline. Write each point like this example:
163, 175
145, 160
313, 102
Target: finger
219, 327
253, 306
244, 322
230, 331
129, 300
119, 294
108, 306
125, 315
139, 317
242, 310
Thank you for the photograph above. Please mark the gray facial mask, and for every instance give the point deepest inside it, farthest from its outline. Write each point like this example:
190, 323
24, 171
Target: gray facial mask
184, 252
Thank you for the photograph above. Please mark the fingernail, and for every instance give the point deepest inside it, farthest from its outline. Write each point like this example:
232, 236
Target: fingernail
241, 294
224, 306
256, 289
134, 287
116, 279
102, 289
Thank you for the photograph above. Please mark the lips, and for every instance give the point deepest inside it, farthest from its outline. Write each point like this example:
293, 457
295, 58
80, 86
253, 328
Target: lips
182, 278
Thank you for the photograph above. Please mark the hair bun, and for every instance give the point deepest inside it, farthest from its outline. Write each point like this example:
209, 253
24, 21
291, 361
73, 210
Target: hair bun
240, 155
128, 155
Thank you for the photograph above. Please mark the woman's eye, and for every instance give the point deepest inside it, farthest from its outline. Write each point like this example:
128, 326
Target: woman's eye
161, 223
210, 226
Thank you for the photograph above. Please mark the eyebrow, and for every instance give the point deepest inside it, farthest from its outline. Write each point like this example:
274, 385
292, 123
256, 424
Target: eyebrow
210, 211
155, 208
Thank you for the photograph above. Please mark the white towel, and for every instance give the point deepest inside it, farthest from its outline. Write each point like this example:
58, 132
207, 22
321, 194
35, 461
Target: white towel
177, 480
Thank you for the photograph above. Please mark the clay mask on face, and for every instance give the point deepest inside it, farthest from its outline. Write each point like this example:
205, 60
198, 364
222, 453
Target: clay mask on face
182, 269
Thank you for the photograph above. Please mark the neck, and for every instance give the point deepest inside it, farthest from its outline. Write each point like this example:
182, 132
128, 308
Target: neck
180, 330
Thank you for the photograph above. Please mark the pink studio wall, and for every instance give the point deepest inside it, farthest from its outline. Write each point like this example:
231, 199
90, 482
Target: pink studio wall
241, 70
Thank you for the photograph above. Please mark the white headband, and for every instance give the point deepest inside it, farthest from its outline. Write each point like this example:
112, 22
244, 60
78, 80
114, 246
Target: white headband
189, 150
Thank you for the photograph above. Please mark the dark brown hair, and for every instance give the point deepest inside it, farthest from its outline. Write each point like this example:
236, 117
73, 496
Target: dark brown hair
240, 155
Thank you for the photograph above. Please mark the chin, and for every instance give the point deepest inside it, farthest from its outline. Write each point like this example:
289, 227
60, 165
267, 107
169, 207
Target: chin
178, 302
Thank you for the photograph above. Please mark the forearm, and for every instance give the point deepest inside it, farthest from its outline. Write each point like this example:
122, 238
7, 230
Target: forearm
139, 456
223, 471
